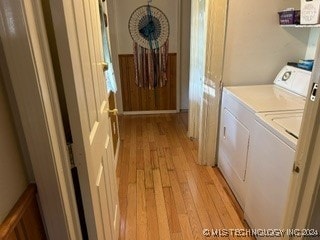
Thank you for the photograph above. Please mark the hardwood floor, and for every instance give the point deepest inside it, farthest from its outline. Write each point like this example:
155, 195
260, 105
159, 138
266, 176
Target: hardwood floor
163, 193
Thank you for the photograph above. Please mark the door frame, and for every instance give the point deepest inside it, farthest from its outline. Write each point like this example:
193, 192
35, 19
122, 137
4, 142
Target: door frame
114, 52
115, 55
178, 67
26, 48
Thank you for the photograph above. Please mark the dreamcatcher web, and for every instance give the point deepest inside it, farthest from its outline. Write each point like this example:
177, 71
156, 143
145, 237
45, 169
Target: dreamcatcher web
141, 27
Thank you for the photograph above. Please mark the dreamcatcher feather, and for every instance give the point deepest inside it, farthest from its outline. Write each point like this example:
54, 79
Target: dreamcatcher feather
149, 29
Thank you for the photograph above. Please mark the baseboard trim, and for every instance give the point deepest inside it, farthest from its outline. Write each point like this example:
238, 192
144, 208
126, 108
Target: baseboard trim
149, 112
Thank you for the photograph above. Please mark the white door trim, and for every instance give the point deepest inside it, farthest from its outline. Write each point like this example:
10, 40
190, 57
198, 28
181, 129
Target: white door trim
114, 51
149, 112
178, 67
28, 62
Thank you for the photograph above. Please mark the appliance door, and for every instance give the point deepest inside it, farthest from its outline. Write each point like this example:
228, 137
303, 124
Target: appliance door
233, 152
235, 140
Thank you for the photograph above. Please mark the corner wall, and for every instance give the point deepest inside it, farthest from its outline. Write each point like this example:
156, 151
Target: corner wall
185, 53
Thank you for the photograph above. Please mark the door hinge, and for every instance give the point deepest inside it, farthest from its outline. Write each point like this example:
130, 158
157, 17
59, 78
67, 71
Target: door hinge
314, 92
71, 157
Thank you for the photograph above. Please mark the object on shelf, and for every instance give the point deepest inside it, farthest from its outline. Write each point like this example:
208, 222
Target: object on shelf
303, 64
310, 11
300, 25
306, 64
289, 17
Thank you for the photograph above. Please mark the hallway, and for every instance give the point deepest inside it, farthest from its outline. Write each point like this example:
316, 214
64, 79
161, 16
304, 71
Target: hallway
163, 193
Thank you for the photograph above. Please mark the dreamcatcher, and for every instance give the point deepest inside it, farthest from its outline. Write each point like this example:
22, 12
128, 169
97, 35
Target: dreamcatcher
149, 29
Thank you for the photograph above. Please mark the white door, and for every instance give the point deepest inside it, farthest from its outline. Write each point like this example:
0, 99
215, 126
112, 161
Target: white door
79, 42
305, 179
216, 18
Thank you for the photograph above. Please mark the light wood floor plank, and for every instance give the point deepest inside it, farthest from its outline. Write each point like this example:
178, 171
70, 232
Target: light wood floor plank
164, 172
185, 226
183, 159
141, 206
161, 152
139, 136
230, 204
152, 218
150, 132
164, 231
132, 175
123, 190
176, 236
120, 160
140, 159
145, 137
148, 168
163, 141
172, 136
192, 212
153, 146
172, 213
198, 201
168, 156
179, 169
199, 182
223, 213
131, 219
160, 128
178, 198
154, 159
222, 189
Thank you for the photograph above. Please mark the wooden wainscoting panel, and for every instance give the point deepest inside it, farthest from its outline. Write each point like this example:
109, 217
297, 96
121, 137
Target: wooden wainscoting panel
142, 99
24, 220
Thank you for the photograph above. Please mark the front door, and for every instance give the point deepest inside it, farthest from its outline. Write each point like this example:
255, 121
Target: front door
79, 43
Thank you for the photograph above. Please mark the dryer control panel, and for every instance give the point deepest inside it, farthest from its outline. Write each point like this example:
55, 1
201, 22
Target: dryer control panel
294, 79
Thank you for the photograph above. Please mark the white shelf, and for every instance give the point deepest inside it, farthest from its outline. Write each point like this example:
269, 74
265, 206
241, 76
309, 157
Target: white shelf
300, 26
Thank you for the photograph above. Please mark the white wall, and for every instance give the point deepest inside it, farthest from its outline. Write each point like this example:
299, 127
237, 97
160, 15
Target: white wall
13, 178
185, 53
312, 44
256, 46
124, 9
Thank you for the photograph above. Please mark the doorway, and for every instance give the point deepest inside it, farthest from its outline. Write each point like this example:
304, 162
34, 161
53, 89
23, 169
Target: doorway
173, 95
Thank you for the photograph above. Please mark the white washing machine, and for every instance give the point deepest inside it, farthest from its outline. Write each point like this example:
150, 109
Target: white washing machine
271, 161
239, 106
